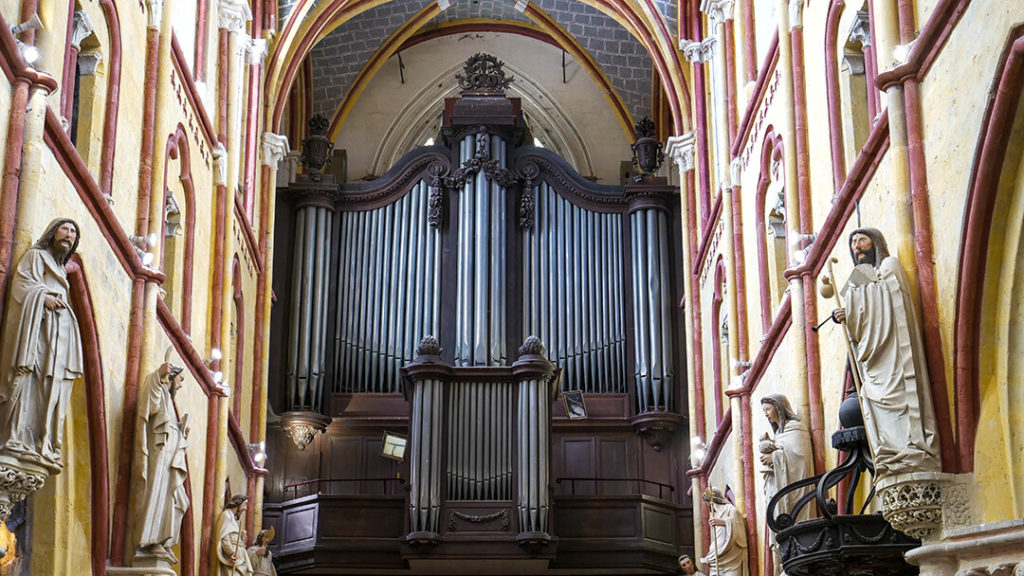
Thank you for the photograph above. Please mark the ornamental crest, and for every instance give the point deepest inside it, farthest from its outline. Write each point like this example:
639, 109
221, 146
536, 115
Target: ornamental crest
483, 75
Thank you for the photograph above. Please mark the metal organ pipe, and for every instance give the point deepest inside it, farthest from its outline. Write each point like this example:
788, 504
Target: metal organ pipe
572, 285
390, 268
651, 312
307, 344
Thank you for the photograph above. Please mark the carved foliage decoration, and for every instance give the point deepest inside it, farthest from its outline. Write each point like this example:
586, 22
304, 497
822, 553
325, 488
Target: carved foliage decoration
483, 75
478, 519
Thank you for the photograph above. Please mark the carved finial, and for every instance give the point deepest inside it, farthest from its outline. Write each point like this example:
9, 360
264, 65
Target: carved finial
533, 345
316, 150
429, 346
647, 151
483, 75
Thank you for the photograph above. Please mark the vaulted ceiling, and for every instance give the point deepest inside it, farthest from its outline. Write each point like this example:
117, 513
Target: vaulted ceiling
626, 48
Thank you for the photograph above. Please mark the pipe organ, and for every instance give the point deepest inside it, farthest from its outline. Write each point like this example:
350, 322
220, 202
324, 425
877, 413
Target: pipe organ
423, 281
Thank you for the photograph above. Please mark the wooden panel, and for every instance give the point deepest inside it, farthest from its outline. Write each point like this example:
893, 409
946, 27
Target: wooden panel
299, 526
361, 517
604, 522
658, 524
578, 461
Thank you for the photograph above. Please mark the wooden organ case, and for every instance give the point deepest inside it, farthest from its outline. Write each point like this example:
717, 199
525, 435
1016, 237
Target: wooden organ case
450, 302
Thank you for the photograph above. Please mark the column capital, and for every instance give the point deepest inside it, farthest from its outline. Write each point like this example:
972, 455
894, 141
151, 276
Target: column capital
81, 28
735, 171
257, 51
154, 13
233, 14
697, 52
717, 11
275, 148
88, 62
860, 29
680, 149
220, 165
796, 14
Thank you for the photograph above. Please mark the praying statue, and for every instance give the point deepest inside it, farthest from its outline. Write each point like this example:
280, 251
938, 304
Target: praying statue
232, 555
889, 358
260, 558
162, 441
727, 553
787, 456
42, 350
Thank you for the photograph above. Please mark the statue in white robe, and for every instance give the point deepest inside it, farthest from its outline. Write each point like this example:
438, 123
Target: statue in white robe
41, 352
162, 441
889, 355
260, 558
232, 556
727, 552
787, 457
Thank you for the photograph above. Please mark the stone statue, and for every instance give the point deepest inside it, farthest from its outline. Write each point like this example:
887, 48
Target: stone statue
687, 567
232, 556
727, 552
787, 457
889, 356
259, 555
42, 350
161, 444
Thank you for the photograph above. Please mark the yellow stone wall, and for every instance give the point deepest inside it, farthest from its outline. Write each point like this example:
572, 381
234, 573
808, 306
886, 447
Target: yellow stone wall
954, 97
62, 509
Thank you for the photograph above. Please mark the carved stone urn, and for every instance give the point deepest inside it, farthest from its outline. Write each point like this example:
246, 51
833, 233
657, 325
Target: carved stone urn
647, 150
317, 148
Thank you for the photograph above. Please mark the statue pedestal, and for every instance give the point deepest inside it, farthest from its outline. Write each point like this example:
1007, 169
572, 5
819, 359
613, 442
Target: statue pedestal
982, 550
926, 505
143, 566
18, 479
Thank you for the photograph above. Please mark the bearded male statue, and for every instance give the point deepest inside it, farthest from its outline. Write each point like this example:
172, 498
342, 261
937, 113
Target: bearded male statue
889, 356
41, 351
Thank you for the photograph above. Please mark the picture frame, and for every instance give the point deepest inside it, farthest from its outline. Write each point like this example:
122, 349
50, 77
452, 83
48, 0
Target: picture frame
393, 446
575, 407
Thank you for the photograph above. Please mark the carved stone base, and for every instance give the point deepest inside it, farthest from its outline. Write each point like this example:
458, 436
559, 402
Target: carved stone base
983, 550
924, 505
18, 479
142, 567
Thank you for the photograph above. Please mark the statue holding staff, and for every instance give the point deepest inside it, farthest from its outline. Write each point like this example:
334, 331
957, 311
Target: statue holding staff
889, 360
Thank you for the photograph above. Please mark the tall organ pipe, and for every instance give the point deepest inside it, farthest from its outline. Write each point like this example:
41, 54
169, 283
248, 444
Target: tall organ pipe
387, 293
651, 307
536, 390
480, 284
571, 274
307, 345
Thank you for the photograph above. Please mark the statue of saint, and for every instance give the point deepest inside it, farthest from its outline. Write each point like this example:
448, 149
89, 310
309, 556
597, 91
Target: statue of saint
259, 555
687, 567
787, 457
727, 553
889, 355
232, 556
162, 441
42, 350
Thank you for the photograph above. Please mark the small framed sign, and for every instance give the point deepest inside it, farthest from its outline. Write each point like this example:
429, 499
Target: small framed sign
575, 408
393, 446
